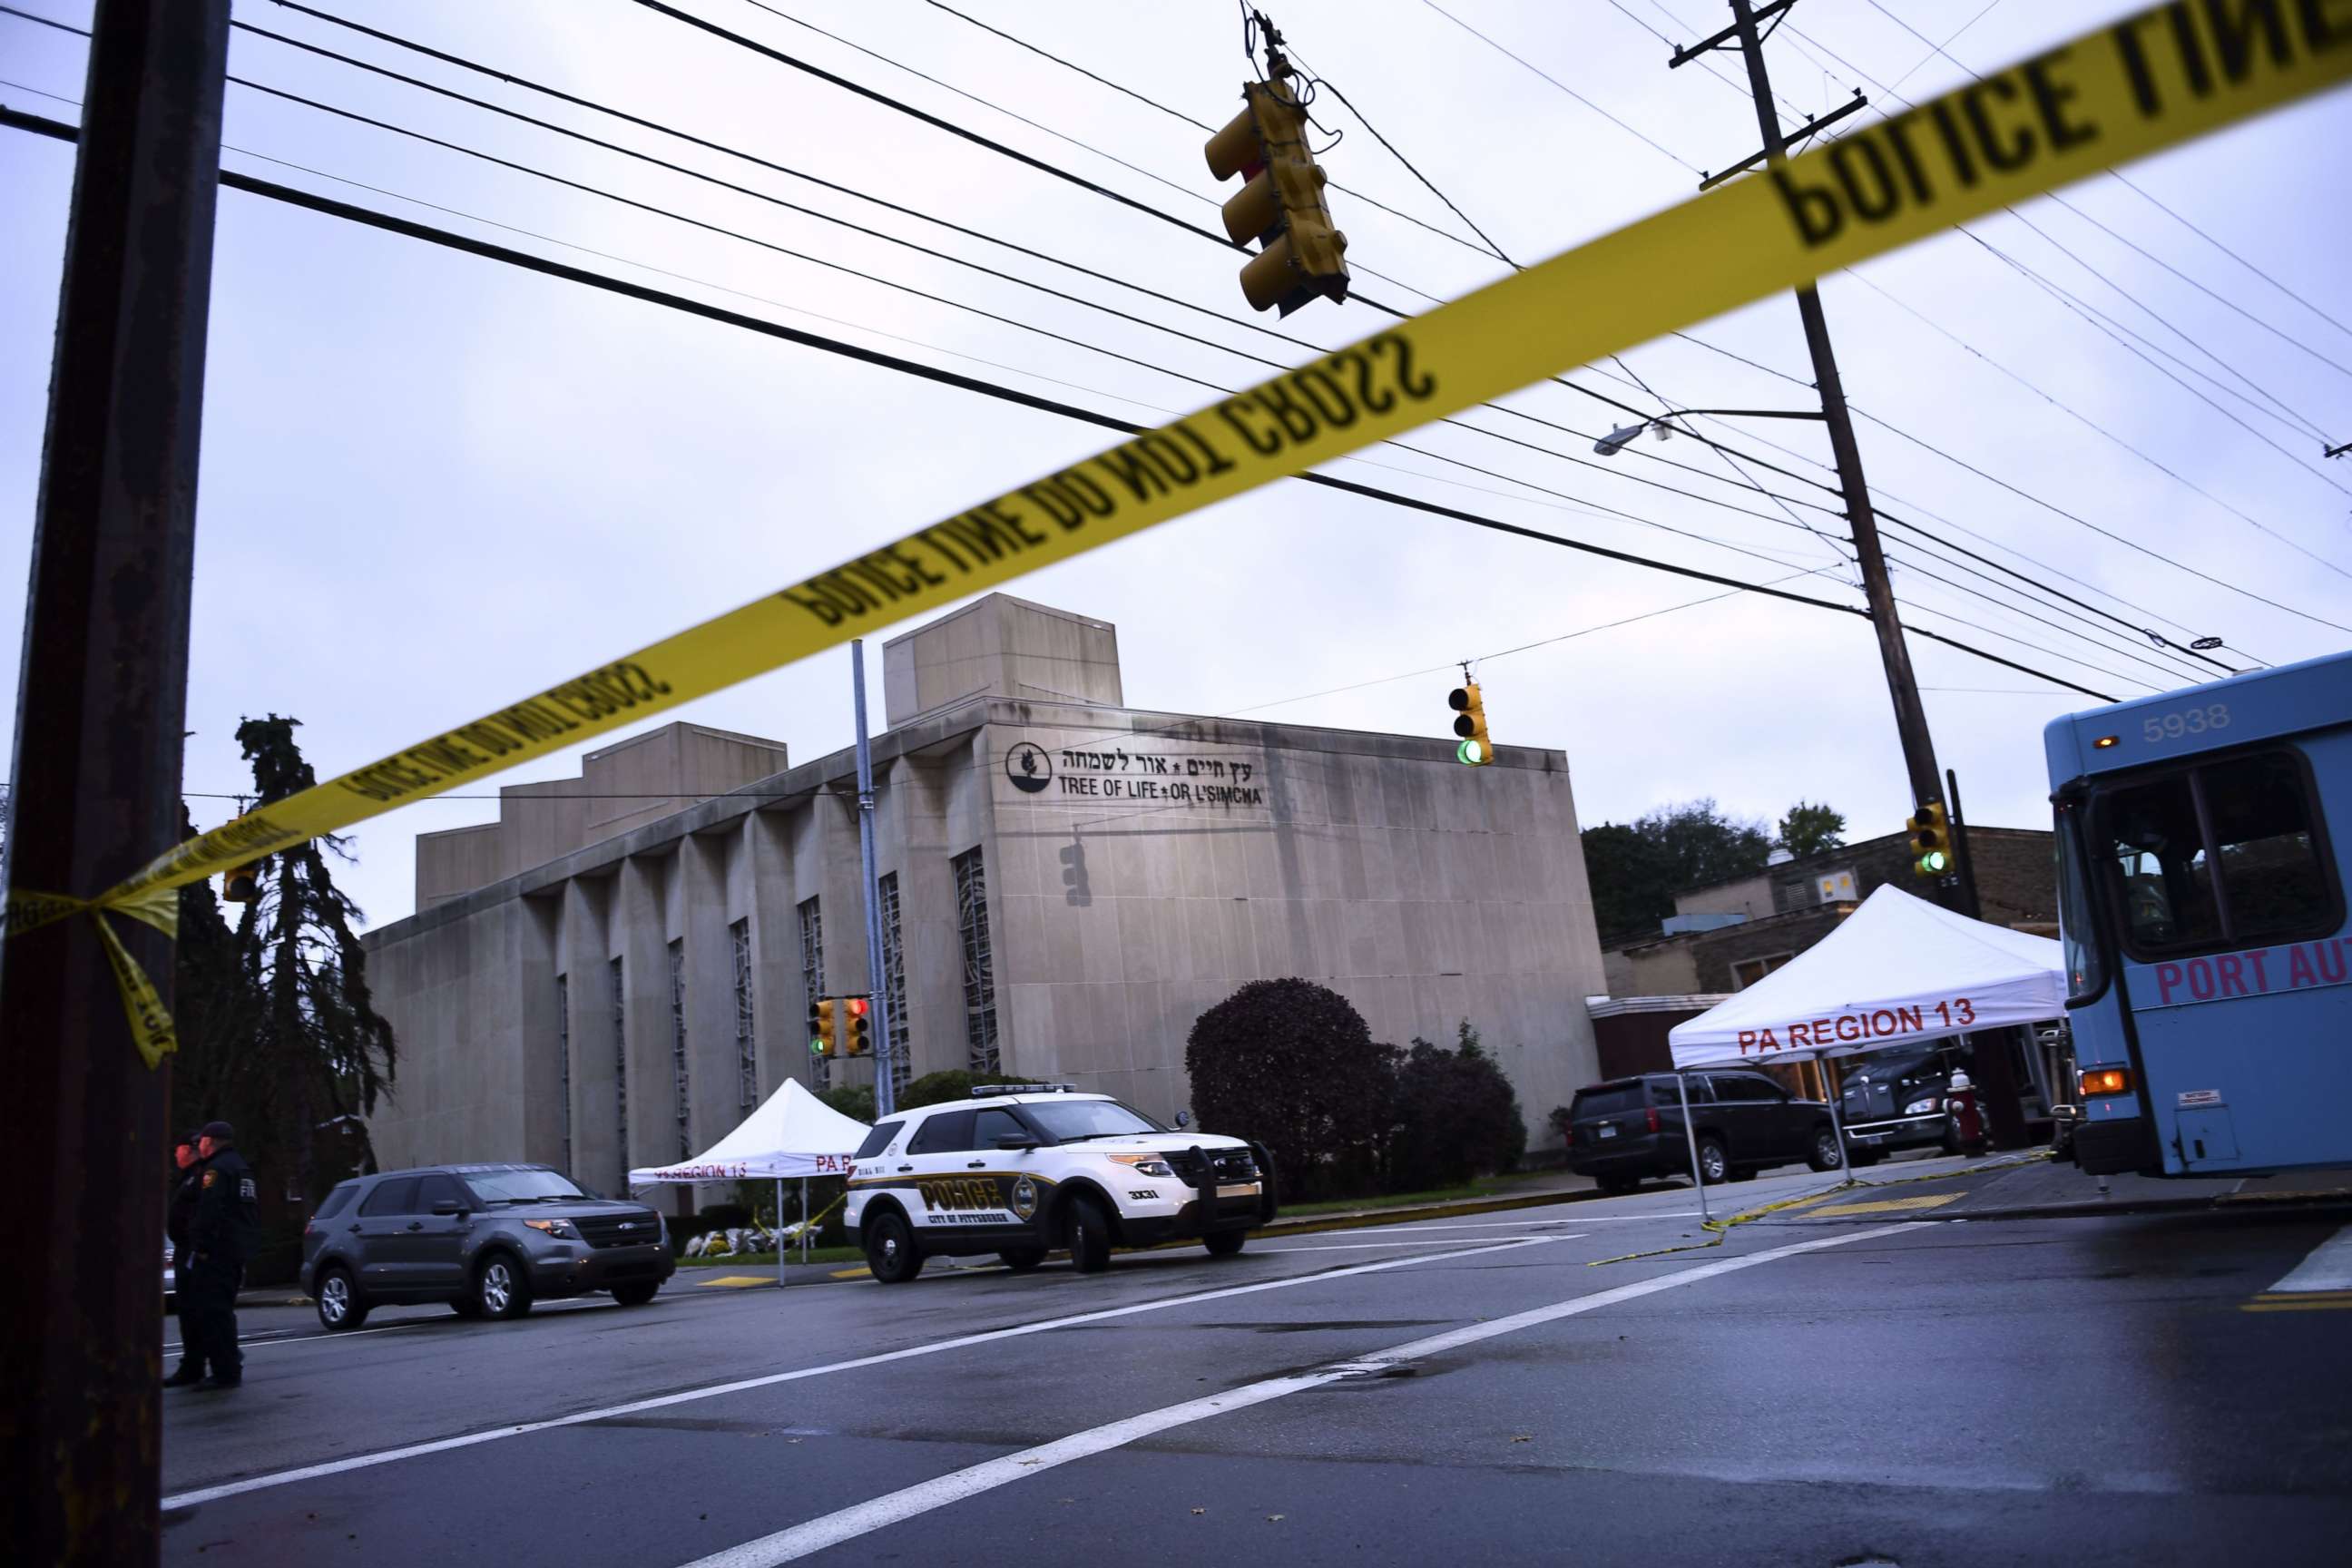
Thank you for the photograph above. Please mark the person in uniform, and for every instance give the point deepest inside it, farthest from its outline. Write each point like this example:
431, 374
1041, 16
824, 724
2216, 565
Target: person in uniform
222, 1235
177, 1223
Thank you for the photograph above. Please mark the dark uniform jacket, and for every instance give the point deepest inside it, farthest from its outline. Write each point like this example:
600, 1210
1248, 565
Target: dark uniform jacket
224, 1226
181, 1214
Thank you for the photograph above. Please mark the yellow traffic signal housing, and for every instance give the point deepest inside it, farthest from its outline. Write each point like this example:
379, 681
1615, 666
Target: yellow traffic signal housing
1469, 706
1931, 842
859, 1026
1281, 206
823, 1038
242, 884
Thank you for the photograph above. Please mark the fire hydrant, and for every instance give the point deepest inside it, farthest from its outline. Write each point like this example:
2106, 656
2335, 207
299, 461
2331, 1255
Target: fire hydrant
1968, 1134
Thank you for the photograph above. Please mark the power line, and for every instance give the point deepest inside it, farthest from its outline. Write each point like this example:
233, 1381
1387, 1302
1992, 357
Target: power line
1577, 503
1563, 86
2061, 511
370, 218
1936, 49
654, 125
1320, 81
2079, 261
1057, 135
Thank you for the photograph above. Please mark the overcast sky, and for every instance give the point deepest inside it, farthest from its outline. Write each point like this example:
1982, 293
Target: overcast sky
433, 484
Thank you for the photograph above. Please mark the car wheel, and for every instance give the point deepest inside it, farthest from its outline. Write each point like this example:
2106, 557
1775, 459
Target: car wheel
340, 1306
501, 1291
636, 1295
1224, 1242
1618, 1187
1089, 1235
1713, 1164
1825, 1156
1021, 1260
891, 1254
1951, 1139
1859, 1157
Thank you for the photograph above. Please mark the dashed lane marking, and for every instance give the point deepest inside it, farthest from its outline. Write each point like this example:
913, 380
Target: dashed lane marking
1885, 1205
863, 1519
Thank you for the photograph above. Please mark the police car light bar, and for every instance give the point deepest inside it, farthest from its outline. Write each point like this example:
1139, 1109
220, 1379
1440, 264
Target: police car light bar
986, 1090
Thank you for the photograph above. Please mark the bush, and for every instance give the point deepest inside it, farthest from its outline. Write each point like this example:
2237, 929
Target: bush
1291, 1064
1457, 1118
933, 1088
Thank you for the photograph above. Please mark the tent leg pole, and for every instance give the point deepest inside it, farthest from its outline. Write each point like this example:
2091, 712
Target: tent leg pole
1681, 1091
804, 1216
780, 1226
1830, 1088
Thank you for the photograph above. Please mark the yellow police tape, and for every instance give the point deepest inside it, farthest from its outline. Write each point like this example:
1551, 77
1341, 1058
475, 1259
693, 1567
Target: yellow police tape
2148, 81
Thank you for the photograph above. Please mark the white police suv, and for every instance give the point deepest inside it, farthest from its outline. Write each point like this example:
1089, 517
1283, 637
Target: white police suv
1022, 1169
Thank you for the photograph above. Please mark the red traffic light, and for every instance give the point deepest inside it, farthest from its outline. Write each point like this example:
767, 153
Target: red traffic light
858, 1006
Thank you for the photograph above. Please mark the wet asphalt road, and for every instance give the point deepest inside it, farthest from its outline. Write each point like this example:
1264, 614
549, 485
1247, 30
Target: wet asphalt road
1875, 1387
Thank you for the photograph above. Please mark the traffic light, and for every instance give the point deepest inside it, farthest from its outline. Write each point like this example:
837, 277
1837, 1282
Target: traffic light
861, 1027
823, 1041
242, 884
1931, 842
1300, 254
1470, 722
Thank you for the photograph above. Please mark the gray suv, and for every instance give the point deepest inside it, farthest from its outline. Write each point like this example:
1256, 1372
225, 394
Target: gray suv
487, 1239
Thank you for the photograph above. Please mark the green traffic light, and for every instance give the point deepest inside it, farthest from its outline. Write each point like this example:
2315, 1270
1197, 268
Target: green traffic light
1470, 753
1934, 863
816, 1048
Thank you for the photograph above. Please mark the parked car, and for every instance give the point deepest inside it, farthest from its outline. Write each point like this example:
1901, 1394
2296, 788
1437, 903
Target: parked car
1020, 1168
1742, 1122
1895, 1099
486, 1239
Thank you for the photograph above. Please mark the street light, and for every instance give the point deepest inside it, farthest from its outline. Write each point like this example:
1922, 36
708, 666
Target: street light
1617, 440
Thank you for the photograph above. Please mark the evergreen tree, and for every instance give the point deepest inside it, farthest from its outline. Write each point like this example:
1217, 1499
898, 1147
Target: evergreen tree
278, 1031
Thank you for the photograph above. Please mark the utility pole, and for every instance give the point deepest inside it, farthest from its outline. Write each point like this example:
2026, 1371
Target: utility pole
98, 720
886, 1088
1910, 715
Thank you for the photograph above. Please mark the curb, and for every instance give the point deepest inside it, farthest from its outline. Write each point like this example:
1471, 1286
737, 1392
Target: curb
1363, 1219
2227, 1201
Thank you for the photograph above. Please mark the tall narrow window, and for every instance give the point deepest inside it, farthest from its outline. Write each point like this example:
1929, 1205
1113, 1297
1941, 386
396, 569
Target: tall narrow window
677, 1043
747, 1058
978, 964
894, 978
813, 978
563, 1065
621, 1061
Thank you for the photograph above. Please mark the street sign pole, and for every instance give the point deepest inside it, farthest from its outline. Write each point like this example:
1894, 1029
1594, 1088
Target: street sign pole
101, 707
885, 1090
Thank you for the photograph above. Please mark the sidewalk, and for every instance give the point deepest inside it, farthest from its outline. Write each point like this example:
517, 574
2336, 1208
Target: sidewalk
2051, 1190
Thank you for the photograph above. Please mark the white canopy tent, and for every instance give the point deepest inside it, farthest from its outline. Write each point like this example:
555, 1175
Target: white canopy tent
792, 1134
1897, 971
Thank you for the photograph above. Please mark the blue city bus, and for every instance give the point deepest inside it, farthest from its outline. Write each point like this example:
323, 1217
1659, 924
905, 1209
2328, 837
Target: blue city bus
2202, 908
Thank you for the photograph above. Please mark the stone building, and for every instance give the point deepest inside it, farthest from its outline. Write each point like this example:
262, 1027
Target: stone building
621, 966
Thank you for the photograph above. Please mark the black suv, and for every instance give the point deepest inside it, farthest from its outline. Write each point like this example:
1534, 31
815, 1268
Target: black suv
1622, 1132
485, 1239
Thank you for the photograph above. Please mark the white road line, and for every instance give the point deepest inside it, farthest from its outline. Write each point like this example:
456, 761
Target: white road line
1379, 1245
863, 1519
663, 1401
2329, 1267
